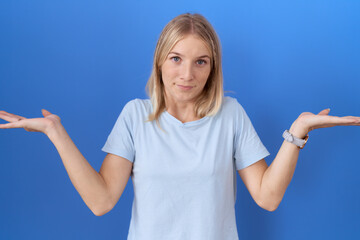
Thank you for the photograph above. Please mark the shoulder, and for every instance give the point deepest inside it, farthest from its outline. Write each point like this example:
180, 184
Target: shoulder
137, 109
233, 111
138, 104
231, 105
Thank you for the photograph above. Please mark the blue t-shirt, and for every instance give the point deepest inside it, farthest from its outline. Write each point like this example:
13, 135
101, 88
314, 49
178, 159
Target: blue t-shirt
184, 179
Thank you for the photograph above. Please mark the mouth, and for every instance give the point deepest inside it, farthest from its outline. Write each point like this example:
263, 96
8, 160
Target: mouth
185, 87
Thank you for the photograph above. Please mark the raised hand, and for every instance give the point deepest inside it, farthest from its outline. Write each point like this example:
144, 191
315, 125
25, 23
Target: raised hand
30, 124
308, 121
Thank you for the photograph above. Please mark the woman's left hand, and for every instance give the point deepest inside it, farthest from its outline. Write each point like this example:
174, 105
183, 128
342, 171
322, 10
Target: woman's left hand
308, 121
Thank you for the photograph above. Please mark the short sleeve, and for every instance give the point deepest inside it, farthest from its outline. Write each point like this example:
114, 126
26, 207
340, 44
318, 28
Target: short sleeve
247, 144
120, 140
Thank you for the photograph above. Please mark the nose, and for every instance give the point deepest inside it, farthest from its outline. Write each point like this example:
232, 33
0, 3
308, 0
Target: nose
187, 72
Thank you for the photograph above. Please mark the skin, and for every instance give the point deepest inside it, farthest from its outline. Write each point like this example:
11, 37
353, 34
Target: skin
186, 66
267, 184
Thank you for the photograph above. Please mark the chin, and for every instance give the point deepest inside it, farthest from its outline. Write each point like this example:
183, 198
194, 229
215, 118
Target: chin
185, 98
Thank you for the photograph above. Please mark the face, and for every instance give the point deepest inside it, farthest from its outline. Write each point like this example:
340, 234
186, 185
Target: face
186, 70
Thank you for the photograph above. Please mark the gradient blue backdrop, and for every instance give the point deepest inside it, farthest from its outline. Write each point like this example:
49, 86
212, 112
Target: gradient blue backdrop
83, 60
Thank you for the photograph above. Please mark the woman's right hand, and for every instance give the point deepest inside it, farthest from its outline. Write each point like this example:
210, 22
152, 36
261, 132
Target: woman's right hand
44, 125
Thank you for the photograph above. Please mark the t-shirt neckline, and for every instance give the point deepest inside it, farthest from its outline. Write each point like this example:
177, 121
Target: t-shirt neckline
186, 124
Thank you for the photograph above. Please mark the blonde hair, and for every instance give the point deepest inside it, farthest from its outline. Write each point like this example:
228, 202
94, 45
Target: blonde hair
210, 100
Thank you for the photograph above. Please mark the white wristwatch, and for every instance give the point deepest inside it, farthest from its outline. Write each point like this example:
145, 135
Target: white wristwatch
292, 139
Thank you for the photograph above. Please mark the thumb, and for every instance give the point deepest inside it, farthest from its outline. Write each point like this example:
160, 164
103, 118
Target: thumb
45, 112
324, 112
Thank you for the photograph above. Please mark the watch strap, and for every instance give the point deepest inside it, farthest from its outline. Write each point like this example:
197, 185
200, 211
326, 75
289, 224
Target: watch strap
295, 140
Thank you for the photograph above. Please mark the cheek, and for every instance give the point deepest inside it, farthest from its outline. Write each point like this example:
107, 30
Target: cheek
166, 78
204, 75
168, 73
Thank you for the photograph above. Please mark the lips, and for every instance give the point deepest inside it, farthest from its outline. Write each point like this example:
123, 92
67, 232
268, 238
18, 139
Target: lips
185, 87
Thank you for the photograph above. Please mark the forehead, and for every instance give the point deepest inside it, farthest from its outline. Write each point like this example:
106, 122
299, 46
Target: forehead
191, 45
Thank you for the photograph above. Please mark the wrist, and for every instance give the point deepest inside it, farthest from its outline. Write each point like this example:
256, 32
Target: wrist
298, 129
55, 131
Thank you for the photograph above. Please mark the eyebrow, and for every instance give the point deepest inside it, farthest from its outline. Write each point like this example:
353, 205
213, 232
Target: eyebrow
203, 56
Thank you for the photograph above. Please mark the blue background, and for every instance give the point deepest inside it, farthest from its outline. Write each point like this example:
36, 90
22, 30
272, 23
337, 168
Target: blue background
83, 60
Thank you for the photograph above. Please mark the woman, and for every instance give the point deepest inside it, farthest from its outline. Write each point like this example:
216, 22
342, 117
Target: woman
183, 145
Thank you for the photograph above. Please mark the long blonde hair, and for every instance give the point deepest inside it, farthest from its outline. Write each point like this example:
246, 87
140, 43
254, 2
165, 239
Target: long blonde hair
210, 100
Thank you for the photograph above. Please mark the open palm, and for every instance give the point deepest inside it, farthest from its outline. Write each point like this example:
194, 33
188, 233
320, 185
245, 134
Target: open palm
323, 120
30, 124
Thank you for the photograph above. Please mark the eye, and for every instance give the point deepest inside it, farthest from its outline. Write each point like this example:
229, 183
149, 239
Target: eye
175, 59
201, 62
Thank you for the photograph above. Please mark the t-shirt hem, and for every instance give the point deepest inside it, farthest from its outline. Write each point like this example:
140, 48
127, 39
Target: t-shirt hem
118, 153
253, 159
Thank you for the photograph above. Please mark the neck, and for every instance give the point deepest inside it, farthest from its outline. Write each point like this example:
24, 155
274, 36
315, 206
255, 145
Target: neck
183, 111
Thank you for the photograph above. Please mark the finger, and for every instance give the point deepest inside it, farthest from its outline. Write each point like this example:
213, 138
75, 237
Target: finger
18, 124
346, 121
324, 112
351, 119
10, 117
45, 112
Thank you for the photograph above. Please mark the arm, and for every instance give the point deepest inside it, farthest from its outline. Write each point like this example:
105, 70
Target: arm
88, 182
267, 184
278, 175
99, 190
